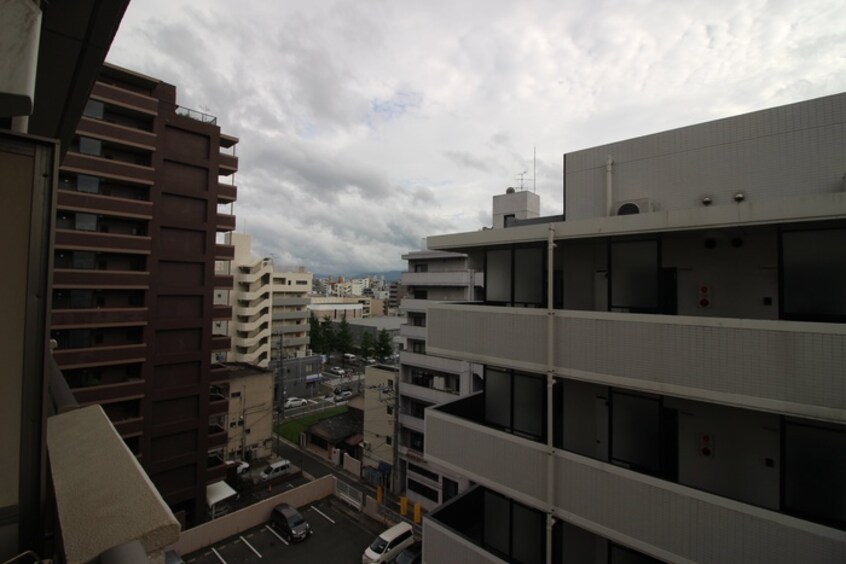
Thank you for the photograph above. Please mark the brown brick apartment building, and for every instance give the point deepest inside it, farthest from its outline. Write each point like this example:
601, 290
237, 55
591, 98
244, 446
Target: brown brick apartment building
134, 278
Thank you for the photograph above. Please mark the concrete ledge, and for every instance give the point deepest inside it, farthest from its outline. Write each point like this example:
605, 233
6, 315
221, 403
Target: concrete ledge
103, 496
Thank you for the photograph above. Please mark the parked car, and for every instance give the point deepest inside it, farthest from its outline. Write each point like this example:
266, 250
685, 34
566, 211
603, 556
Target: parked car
370, 360
241, 467
341, 389
411, 555
295, 402
337, 370
290, 523
389, 544
275, 469
343, 395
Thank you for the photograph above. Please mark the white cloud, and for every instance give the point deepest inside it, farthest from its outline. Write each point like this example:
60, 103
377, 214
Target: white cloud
366, 126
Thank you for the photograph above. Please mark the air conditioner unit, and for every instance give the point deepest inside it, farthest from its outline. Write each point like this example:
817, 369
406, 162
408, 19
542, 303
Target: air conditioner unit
631, 207
365, 445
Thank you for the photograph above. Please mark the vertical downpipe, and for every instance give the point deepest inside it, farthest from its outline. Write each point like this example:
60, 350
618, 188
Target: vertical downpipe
550, 383
609, 202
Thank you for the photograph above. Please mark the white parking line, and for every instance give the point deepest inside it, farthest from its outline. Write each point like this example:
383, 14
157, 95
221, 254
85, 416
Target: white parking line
250, 546
269, 528
219, 557
324, 515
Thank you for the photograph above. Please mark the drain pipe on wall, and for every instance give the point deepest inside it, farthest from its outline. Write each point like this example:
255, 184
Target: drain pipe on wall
609, 174
550, 384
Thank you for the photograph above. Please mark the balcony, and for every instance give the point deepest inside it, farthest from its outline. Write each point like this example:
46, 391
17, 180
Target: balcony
95, 478
766, 365
131, 389
221, 343
225, 222
217, 436
100, 356
287, 315
424, 390
226, 193
82, 201
285, 301
125, 98
124, 279
215, 468
97, 241
99, 317
222, 312
219, 373
663, 517
295, 341
108, 168
458, 278
411, 422
218, 405
228, 164
412, 332
100, 129
224, 252
129, 426
224, 281
434, 363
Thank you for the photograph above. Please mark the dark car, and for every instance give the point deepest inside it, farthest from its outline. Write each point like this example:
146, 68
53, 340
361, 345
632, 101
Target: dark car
288, 521
411, 555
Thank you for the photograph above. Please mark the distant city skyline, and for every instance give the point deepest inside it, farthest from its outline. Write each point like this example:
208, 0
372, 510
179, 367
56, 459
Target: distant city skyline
366, 126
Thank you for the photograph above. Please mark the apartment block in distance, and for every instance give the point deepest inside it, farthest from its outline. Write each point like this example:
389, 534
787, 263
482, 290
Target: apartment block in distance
664, 368
134, 276
426, 379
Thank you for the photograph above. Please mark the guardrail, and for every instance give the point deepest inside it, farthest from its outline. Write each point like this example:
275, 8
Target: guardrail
349, 494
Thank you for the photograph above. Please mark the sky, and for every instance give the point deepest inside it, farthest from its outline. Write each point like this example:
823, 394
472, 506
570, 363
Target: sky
366, 125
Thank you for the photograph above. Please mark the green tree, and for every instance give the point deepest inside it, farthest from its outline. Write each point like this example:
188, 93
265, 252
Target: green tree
318, 343
384, 345
367, 344
343, 338
327, 333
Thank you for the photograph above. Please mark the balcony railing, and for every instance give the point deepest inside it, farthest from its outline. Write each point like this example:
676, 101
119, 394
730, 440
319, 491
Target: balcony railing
95, 477
767, 365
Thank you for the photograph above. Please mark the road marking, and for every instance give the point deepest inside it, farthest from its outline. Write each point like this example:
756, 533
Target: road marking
250, 546
324, 515
269, 528
219, 557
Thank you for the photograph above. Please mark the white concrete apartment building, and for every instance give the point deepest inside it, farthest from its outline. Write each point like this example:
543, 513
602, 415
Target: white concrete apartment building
665, 370
425, 379
250, 299
291, 287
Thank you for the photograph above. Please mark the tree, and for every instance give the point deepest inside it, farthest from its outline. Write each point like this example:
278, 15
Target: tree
343, 338
316, 338
384, 345
367, 344
327, 333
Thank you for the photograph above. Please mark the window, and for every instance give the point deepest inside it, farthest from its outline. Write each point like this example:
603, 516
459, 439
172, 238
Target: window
86, 222
515, 276
633, 275
84, 260
515, 402
423, 472
424, 490
88, 146
94, 109
389, 440
636, 432
421, 268
235, 395
813, 275
814, 464
86, 183
302, 282
390, 410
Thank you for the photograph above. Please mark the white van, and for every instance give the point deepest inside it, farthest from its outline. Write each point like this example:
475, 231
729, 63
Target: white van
275, 469
389, 544
349, 357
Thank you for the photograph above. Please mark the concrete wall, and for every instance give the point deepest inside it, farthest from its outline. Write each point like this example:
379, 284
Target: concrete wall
790, 150
254, 407
233, 523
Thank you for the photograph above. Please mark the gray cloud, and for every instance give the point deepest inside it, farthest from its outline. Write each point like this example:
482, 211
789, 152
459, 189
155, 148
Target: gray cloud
367, 126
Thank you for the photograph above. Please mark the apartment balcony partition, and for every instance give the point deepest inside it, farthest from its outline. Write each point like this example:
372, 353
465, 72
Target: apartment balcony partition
131, 136
95, 240
768, 365
109, 205
412, 332
104, 279
290, 301
97, 356
108, 168
438, 364
91, 469
456, 278
125, 98
224, 252
226, 193
659, 517
99, 317
225, 222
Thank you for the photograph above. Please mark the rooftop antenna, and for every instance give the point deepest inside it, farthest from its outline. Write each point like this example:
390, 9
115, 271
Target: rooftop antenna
535, 169
521, 175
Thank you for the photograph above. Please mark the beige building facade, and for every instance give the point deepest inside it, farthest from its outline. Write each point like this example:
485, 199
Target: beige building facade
249, 422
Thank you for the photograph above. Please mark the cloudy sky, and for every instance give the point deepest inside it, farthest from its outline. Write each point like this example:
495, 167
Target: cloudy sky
367, 125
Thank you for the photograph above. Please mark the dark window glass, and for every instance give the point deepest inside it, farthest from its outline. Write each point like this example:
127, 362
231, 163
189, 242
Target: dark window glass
528, 534
634, 275
424, 490
498, 275
529, 405
86, 183
814, 274
498, 398
86, 222
84, 260
94, 109
528, 276
88, 146
636, 432
497, 522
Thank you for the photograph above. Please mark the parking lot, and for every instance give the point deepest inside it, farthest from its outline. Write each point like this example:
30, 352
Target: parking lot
336, 537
